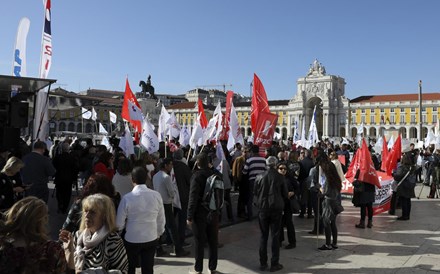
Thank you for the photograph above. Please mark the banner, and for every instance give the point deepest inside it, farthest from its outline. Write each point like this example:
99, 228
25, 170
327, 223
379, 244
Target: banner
41, 119
383, 194
19, 64
265, 130
86, 114
102, 130
149, 139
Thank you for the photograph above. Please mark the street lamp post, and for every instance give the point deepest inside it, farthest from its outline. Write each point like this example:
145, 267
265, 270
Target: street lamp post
419, 134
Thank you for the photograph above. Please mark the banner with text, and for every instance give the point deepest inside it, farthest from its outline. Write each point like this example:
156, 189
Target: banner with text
265, 130
383, 195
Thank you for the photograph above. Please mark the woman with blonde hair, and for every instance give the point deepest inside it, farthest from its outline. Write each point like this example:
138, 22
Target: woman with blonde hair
24, 241
8, 182
97, 243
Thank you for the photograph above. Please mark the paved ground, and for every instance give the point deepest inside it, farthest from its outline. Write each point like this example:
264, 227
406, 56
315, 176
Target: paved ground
391, 246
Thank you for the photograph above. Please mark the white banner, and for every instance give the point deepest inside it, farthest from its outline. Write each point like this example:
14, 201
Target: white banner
19, 63
102, 130
86, 114
149, 139
94, 114
113, 117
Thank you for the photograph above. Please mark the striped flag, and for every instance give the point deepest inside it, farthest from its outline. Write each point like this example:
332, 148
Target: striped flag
41, 120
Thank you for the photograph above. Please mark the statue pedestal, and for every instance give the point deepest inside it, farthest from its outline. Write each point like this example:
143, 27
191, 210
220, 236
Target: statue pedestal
149, 108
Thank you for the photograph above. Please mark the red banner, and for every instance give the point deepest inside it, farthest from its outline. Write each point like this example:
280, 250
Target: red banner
383, 194
265, 130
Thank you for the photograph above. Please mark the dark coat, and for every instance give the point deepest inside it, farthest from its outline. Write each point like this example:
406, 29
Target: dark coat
197, 186
271, 191
183, 179
398, 176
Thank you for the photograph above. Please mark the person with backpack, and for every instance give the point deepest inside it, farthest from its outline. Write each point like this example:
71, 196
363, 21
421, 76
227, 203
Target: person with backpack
271, 192
203, 215
405, 190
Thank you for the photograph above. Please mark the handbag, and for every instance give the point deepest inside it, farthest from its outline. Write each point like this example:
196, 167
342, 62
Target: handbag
294, 205
338, 208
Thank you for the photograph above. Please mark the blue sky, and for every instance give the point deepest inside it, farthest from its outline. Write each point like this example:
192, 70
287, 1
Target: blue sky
379, 47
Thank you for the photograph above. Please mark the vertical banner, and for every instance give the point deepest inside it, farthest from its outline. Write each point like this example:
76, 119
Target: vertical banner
41, 119
265, 130
19, 63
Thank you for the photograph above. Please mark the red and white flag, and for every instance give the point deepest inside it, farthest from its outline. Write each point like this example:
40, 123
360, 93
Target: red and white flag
265, 130
41, 119
129, 96
362, 162
394, 155
259, 103
203, 121
384, 155
135, 112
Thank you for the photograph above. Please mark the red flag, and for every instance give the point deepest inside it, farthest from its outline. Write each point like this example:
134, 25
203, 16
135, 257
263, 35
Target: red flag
362, 161
129, 96
394, 156
367, 172
384, 155
226, 117
203, 120
265, 129
259, 103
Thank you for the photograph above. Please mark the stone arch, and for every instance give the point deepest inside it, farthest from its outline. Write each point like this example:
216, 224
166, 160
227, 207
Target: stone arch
284, 133
242, 131
342, 132
71, 127
372, 132
62, 126
413, 132
249, 131
381, 131
424, 132
354, 131
89, 128
79, 127
402, 131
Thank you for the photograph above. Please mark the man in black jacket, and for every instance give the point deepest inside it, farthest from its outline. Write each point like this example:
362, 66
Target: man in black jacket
198, 217
270, 192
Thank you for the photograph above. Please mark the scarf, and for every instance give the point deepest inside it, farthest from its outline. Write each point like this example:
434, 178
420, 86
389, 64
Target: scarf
85, 244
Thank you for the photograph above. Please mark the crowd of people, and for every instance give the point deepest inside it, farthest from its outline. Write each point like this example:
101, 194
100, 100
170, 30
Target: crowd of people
129, 206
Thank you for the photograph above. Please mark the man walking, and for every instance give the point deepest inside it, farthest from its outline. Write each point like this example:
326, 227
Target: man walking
36, 172
204, 228
270, 191
142, 215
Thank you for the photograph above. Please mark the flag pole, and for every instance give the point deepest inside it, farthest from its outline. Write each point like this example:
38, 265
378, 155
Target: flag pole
189, 153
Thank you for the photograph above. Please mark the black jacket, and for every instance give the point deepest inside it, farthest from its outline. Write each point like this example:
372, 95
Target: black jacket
270, 190
197, 187
183, 180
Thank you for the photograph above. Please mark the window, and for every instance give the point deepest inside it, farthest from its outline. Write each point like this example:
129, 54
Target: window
382, 110
392, 119
413, 109
402, 118
363, 111
392, 110
413, 118
71, 114
372, 119
63, 114
424, 118
434, 108
423, 108
353, 119
363, 119
402, 109
434, 118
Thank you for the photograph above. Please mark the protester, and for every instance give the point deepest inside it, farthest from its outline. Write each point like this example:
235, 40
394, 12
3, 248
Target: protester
122, 178
405, 169
364, 195
331, 185
204, 229
141, 214
96, 244
24, 242
66, 176
162, 183
271, 192
253, 166
36, 172
105, 165
292, 187
8, 186
240, 182
306, 164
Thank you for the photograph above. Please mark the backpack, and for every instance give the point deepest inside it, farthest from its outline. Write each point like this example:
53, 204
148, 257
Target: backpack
213, 196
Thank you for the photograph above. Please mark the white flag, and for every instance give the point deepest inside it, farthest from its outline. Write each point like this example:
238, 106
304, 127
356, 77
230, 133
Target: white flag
149, 139
360, 128
19, 64
113, 117
46, 47
126, 142
106, 143
94, 114
135, 112
390, 143
234, 129
102, 129
296, 134
219, 126
313, 131
174, 126
184, 136
303, 132
197, 133
163, 124
86, 114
